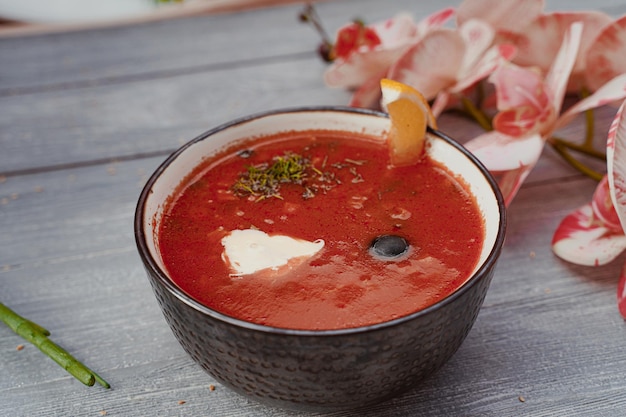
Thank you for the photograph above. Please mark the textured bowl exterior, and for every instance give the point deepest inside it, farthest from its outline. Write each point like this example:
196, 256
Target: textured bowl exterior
319, 370
329, 372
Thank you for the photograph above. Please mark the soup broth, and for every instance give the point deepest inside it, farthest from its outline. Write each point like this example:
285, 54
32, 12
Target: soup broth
336, 195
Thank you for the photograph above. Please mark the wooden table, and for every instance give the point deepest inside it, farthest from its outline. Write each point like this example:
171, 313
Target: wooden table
86, 116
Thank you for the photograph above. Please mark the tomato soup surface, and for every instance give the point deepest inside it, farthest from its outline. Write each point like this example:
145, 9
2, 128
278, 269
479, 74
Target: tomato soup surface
349, 197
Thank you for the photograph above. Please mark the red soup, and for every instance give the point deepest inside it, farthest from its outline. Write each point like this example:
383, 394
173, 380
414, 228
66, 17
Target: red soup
354, 241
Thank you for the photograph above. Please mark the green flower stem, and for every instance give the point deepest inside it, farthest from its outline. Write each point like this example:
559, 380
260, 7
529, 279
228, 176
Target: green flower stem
585, 148
480, 94
562, 147
480, 117
590, 126
38, 336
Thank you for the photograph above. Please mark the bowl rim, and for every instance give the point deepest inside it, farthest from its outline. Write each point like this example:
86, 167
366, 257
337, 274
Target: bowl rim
173, 289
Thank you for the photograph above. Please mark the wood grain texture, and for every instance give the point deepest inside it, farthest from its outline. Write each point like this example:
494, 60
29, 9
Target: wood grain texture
86, 116
173, 10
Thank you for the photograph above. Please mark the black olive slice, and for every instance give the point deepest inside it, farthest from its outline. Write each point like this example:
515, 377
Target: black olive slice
388, 247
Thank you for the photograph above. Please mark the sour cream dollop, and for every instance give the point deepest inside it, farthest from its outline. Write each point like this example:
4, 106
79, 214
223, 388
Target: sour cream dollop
250, 250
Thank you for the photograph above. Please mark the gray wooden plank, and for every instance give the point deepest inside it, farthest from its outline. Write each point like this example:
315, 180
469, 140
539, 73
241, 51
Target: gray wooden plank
149, 50
159, 49
142, 117
105, 122
162, 48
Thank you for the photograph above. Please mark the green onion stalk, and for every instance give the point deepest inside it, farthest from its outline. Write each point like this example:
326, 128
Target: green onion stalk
38, 336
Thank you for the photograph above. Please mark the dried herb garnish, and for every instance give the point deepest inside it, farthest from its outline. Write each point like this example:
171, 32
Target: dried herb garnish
264, 180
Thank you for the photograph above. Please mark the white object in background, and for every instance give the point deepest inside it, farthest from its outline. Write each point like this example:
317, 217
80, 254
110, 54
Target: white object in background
73, 11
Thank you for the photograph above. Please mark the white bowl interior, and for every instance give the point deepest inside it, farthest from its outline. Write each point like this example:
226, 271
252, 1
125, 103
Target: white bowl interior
370, 124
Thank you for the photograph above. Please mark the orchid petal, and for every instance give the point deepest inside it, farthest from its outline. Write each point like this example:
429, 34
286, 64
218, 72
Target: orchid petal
489, 62
440, 103
540, 42
510, 15
368, 94
524, 104
610, 92
581, 240
526, 120
396, 31
500, 152
434, 21
425, 68
603, 207
510, 182
616, 163
515, 86
616, 167
359, 67
478, 36
621, 293
558, 76
607, 57
396, 35
594, 23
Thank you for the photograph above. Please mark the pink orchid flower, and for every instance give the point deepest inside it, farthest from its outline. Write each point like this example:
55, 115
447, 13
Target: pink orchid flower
469, 57
606, 59
470, 54
530, 112
529, 106
594, 233
616, 167
356, 66
542, 38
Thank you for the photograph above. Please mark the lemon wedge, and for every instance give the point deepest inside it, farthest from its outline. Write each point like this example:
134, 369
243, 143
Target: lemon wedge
410, 114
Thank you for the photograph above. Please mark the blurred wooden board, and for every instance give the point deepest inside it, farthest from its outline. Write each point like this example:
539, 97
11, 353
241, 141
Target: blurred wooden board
160, 12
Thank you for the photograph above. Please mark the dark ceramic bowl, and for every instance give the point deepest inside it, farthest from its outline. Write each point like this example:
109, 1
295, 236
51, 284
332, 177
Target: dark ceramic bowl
318, 370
